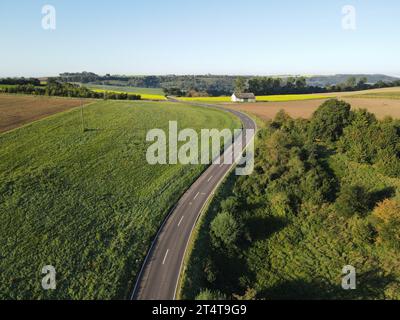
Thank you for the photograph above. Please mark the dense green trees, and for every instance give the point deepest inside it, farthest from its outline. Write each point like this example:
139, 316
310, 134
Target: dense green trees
20, 81
368, 141
358, 140
329, 121
272, 85
287, 230
59, 89
352, 200
240, 85
387, 221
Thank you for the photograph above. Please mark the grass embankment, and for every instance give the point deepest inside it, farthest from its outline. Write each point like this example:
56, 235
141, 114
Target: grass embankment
88, 203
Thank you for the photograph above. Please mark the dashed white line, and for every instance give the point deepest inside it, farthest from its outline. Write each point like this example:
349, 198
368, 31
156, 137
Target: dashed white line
196, 195
209, 179
165, 258
221, 165
180, 221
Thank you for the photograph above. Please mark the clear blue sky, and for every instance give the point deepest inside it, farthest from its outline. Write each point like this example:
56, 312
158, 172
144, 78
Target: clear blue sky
199, 36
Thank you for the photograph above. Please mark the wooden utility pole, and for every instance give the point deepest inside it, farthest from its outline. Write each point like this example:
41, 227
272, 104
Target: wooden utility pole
82, 119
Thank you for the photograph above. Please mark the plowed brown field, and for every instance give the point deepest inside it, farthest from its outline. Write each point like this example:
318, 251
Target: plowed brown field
305, 109
16, 110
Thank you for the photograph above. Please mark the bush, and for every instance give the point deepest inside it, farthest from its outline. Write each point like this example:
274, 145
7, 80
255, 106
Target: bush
386, 217
329, 120
352, 200
224, 231
207, 294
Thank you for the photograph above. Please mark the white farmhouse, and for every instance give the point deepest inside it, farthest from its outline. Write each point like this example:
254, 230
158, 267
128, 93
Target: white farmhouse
243, 97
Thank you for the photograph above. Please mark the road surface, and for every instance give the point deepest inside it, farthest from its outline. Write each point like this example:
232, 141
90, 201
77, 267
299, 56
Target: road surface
158, 279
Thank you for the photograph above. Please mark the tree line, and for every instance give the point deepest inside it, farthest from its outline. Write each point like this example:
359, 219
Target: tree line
220, 85
20, 81
59, 89
261, 86
292, 85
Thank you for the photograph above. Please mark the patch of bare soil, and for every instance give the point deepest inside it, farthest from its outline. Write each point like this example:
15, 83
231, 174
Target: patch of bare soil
304, 109
16, 110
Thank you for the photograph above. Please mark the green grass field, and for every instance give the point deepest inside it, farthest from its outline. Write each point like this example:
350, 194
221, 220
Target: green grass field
88, 203
273, 98
146, 93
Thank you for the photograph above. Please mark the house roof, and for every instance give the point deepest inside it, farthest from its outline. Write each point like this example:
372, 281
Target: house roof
245, 95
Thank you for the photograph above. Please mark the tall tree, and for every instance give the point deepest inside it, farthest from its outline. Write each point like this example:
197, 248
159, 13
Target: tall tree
240, 85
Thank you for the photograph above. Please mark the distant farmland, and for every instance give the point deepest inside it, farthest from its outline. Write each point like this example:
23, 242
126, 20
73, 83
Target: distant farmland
272, 98
381, 102
146, 93
88, 203
17, 110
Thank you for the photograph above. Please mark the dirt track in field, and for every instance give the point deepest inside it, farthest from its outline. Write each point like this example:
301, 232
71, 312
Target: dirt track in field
305, 109
16, 111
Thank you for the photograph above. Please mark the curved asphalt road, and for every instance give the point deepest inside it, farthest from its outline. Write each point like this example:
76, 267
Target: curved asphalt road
158, 279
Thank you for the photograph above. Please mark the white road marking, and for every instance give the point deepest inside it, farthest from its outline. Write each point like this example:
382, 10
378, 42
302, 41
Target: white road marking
221, 165
165, 258
196, 195
209, 179
180, 221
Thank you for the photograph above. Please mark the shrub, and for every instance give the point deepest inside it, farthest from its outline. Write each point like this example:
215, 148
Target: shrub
352, 200
207, 294
386, 217
224, 231
209, 270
